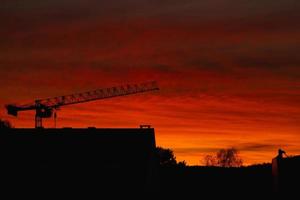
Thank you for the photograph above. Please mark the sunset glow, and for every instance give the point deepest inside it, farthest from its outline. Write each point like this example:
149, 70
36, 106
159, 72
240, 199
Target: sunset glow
229, 76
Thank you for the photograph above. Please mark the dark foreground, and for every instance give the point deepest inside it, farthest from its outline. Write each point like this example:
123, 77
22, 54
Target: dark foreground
100, 162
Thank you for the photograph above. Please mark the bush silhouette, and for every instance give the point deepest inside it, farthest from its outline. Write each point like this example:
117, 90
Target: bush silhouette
166, 157
5, 124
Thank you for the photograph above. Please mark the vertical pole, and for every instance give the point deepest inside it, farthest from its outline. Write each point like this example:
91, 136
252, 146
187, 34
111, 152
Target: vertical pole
38, 118
38, 121
55, 117
275, 174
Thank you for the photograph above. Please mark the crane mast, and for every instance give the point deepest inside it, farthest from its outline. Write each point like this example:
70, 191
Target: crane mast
44, 108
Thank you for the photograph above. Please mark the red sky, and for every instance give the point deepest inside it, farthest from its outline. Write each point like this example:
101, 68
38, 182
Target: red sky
229, 70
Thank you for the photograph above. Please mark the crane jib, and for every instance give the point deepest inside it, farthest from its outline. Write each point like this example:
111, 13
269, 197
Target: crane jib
99, 94
45, 107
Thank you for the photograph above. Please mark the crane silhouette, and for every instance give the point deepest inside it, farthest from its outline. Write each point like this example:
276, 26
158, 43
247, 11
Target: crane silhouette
44, 108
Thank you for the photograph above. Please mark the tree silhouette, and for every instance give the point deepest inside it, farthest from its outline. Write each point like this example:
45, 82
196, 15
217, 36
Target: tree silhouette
166, 157
224, 158
229, 158
5, 124
210, 160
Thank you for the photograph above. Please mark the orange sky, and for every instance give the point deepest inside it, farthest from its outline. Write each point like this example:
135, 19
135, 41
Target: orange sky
229, 71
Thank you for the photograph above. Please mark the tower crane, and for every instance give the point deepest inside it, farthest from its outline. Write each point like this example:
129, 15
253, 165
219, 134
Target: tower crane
45, 108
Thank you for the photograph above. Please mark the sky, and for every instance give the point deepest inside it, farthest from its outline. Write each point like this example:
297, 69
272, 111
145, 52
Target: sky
228, 70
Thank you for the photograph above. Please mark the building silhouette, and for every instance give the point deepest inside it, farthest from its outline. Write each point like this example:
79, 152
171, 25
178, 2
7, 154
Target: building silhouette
78, 161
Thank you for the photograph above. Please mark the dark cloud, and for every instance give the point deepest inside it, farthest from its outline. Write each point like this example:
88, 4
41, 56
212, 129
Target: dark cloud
163, 68
255, 147
260, 147
271, 56
127, 9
